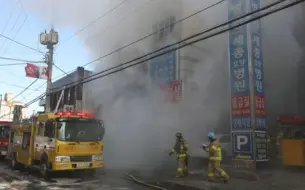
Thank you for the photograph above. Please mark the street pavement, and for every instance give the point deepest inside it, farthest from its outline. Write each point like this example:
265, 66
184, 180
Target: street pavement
273, 179
17, 180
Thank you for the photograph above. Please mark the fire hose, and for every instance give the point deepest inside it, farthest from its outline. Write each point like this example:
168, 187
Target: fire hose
132, 178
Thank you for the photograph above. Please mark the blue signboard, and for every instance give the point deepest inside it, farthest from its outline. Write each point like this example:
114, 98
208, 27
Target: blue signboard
163, 68
241, 122
242, 146
258, 70
239, 69
261, 145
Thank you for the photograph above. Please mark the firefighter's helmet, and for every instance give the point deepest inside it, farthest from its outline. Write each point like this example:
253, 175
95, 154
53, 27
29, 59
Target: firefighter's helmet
178, 135
211, 135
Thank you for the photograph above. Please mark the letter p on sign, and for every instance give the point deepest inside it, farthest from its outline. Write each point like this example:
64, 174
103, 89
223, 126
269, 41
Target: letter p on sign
241, 140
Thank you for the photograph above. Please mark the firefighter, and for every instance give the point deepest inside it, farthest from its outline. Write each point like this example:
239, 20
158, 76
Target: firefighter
181, 151
215, 157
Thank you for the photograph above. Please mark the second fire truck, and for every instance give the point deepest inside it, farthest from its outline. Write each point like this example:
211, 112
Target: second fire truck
58, 142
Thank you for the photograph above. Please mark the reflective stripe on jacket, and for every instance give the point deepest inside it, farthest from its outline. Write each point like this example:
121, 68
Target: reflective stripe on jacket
214, 151
181, 148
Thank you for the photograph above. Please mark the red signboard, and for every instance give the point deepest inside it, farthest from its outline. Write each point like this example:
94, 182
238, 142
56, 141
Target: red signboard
291, 119
259, 102
173, 91
240, 105
34, 71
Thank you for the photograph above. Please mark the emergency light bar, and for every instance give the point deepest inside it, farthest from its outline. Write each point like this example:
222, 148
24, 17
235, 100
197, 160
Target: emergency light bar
79, 114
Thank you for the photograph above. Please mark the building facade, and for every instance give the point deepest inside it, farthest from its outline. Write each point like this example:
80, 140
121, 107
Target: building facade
7, 106
67, 93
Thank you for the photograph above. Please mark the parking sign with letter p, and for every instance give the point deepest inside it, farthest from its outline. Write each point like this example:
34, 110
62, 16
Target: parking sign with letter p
242, 146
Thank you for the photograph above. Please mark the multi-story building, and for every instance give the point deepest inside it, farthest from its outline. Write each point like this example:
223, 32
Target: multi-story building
72, 93
7, 106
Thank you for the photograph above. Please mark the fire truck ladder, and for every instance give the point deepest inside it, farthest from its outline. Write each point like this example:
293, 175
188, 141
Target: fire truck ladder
59, 99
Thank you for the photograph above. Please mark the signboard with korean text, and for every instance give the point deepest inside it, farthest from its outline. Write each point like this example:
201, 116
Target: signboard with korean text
239, 70
34, 71
261, 145
258, 70
242, 146
172, 91
163, 68
68, 108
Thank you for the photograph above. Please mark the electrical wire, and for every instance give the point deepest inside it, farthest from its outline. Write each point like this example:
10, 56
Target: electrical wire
18, 86
196, 40
16, 34
179, 42
23, 60
21, 44
25, 89
12, 64
97, 19
6, 23
11, 30
153, 33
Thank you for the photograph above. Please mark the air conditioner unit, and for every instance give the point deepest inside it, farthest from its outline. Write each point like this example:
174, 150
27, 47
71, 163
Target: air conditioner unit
42, 102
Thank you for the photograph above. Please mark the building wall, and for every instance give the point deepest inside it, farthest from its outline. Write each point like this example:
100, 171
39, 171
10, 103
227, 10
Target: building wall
7, 107
73, 94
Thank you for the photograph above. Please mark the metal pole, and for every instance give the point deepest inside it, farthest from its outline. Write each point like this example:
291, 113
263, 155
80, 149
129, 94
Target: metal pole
50, 46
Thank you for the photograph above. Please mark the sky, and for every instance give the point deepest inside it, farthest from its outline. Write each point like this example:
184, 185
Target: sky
18, 24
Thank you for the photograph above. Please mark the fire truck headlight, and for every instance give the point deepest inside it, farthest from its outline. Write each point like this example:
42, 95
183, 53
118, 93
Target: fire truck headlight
97, 157
62, 158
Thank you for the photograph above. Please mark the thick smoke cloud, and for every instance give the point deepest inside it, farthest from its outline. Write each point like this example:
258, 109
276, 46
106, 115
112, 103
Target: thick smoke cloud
140, 126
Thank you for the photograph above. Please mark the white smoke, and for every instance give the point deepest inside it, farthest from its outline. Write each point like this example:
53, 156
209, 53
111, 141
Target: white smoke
140, 125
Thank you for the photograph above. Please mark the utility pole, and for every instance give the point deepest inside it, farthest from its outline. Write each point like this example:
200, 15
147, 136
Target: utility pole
49, 39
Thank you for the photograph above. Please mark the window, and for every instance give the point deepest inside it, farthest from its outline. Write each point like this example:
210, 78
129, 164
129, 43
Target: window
26, 140
49, 129
40, 131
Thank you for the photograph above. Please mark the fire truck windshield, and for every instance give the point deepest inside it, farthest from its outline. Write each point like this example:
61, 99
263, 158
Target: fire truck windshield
4, 131
80, 131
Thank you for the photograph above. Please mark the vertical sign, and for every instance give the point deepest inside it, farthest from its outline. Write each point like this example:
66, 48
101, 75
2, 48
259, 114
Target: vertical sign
239, 69
172, 91
261, 144
163, 68
258, 70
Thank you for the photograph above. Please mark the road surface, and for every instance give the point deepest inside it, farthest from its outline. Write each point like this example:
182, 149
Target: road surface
12, 180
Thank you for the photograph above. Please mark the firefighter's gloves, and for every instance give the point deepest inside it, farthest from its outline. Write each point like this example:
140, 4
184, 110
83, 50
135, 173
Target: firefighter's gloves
204, 146
170, 153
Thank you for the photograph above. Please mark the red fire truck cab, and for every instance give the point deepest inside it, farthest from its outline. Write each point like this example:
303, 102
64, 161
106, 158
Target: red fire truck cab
4, 137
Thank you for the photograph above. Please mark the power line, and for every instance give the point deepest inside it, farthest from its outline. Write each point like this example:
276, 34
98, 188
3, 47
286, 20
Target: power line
151, 34
25, 89
18, 86
200, 39
16, 34
21, 44
97, 19
182, 41
23, 60
11, 30
12, 64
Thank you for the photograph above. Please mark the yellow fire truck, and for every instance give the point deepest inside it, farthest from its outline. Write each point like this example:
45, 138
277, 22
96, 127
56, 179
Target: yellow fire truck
58, 142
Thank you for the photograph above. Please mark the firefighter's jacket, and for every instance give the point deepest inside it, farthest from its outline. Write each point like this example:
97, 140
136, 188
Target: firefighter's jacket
214, 150
181, 148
